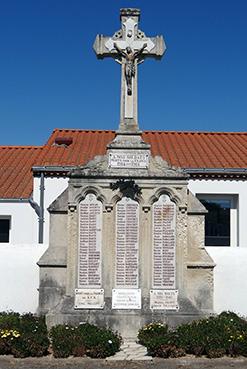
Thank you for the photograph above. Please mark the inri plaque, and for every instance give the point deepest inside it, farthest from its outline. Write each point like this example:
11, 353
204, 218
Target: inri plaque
129, 159
164, 243
90, 235
127, 239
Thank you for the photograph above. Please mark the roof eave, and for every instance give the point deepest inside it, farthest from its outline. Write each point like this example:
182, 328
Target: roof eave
231, 173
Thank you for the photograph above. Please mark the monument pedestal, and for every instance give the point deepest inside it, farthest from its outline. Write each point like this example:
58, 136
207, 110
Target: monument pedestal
126, 322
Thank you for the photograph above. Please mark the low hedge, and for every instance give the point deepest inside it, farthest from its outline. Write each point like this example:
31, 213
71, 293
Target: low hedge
225, 334
86, 339
27, 335
23, 335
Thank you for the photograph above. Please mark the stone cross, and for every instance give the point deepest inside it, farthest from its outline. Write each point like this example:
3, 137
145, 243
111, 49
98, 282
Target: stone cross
129, 47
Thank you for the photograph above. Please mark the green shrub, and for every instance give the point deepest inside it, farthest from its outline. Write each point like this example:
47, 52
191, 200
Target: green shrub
63, 340
168, 350
215, 336
86, 339
23, 335
8, 320
151, 332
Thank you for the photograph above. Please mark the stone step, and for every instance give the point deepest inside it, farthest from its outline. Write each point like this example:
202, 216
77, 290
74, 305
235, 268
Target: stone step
130, 350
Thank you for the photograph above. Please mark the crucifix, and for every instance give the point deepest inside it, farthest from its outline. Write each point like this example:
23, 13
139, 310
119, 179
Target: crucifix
129, 47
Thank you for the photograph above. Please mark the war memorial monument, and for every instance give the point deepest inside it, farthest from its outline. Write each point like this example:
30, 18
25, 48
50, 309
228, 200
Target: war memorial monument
126, 236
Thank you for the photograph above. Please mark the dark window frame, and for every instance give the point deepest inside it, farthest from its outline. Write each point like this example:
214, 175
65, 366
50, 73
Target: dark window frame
5, 231
217, 233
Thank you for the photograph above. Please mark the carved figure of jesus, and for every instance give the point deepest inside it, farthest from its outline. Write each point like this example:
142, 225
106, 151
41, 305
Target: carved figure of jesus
129, 63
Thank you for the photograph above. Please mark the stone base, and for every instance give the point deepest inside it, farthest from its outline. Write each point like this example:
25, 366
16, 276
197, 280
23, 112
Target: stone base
126, 322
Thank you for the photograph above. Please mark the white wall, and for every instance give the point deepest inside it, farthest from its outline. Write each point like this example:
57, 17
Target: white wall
238, 188
19, 277
230, 279
53, 188
24, 222
231, 262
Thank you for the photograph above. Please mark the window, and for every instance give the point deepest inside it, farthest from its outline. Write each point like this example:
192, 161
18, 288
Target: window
221, 219
4, 229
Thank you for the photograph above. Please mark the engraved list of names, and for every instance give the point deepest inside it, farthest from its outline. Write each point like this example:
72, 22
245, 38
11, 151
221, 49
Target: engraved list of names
127, 239
164, 243
89, 269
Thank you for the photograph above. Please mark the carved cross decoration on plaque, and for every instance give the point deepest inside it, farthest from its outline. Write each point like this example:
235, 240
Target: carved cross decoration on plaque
129, 46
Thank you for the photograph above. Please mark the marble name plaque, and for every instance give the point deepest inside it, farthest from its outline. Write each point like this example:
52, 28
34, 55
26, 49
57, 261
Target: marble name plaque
89, 298
126, 298
127, 240
164, 300
129, 160
164, 243
90, 238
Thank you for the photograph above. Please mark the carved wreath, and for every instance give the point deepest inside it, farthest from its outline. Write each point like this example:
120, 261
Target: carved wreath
127, 187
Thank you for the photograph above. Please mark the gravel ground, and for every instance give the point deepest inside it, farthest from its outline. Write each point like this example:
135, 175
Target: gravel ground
8, 362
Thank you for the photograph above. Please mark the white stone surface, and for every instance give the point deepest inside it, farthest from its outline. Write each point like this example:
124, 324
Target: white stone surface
128, 159
90, 242
89, 298
164, 299
126, 298
19, 276
127, 243
164, 243
130, 30
130, 351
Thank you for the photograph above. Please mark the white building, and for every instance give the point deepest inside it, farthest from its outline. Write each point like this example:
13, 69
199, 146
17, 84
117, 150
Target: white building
32, 177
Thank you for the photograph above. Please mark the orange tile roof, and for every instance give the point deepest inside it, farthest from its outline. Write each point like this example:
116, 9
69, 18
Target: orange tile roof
15, 168
210, 150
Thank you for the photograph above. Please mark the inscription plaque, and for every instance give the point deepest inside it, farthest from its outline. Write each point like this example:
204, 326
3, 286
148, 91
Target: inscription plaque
89, 298
126, 298
164, 299
129, 159
127, 239
90, 235
164, 243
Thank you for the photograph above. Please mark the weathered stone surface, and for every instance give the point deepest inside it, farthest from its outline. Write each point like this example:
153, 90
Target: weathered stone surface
195, 206
60, 203
194, 268
164, 243
90, 243
99, 166
127, 243
129, 46
129, 247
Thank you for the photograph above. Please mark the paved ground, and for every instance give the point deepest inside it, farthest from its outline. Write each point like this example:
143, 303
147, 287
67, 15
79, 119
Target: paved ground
8, 362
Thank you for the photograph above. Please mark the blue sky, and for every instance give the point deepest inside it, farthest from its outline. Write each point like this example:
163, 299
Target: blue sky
50, 77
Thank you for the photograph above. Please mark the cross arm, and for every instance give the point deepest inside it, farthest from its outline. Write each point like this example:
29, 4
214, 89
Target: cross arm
104, 46
101, 50
159, 47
